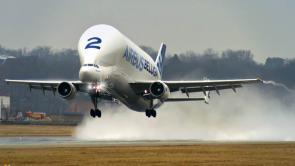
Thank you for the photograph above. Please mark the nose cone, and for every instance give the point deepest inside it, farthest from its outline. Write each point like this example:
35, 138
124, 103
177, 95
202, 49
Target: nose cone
88, 74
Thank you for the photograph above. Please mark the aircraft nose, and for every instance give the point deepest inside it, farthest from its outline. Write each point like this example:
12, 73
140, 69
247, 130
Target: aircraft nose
88, 74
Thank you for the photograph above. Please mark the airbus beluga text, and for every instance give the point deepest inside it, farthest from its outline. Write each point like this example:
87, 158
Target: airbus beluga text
114, 68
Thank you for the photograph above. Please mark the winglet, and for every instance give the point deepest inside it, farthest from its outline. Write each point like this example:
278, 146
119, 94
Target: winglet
160, 58
259, 79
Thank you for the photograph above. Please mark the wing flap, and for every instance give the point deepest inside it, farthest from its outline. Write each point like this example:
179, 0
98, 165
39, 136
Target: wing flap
196, 86
51, 85
209, 88
175, 85
183, 99
43, 87
44, 84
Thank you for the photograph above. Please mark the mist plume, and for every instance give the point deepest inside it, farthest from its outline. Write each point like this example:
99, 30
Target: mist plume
248, 115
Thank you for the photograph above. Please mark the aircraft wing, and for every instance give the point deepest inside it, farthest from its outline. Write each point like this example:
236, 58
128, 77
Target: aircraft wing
51, 85
197, 86
43, 84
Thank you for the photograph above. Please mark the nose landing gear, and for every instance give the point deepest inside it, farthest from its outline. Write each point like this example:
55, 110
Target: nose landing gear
150, 112
95, 112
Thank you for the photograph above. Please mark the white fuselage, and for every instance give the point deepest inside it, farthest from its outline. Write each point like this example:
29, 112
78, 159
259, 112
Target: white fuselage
107, 56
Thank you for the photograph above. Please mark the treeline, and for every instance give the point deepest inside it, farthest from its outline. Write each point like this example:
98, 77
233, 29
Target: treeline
47, 63
227, 64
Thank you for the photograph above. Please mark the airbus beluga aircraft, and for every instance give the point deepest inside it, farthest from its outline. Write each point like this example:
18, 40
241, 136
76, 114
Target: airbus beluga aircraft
115, 68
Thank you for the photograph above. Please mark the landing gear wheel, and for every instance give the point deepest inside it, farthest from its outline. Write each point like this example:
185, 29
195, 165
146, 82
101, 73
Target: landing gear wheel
95, 112
154, 113
150, 113
92, 113
98, 113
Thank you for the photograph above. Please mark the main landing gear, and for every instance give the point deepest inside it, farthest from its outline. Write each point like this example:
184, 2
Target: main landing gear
95, 112
150, 112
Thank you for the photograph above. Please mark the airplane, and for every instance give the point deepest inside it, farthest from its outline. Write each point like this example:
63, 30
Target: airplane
116, 69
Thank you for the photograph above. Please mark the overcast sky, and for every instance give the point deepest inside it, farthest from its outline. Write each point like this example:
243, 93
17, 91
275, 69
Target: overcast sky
266, 27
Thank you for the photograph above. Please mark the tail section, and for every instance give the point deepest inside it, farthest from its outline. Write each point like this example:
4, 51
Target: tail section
160, 58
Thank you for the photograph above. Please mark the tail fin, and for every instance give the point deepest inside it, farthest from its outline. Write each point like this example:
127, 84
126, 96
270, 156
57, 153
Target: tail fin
160, 58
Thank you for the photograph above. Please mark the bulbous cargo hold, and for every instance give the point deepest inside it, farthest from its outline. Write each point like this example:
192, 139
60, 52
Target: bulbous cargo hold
101, 44
107, 47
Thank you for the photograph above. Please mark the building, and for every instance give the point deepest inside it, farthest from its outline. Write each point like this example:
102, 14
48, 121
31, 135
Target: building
4, 107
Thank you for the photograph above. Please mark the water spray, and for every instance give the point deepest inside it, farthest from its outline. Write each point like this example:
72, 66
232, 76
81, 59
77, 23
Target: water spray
281, 85
252, 115
260, 117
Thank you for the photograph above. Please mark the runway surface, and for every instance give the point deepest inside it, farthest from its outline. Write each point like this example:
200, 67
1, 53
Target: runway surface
66, 140
72, 141
67, 150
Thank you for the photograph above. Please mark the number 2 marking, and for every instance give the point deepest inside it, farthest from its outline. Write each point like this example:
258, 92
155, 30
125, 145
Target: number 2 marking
94, 43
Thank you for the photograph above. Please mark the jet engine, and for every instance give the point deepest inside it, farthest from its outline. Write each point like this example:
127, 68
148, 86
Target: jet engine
66, 90
159, 90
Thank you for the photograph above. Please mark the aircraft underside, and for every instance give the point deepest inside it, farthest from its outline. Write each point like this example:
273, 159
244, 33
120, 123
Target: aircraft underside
122, 91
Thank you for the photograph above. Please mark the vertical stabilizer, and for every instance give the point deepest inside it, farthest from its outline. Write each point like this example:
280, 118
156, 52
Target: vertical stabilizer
160, 58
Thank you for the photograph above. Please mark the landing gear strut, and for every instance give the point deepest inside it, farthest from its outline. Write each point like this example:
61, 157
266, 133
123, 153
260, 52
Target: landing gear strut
150, 112
95, 112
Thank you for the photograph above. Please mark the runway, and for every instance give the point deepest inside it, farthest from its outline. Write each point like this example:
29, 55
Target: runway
72, 141
68, 150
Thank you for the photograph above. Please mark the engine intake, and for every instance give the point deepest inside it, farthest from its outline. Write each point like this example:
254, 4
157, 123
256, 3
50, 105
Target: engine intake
66, 90
159, 90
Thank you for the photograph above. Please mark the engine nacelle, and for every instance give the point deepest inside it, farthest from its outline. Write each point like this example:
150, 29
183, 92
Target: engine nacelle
66, 90
159, 90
